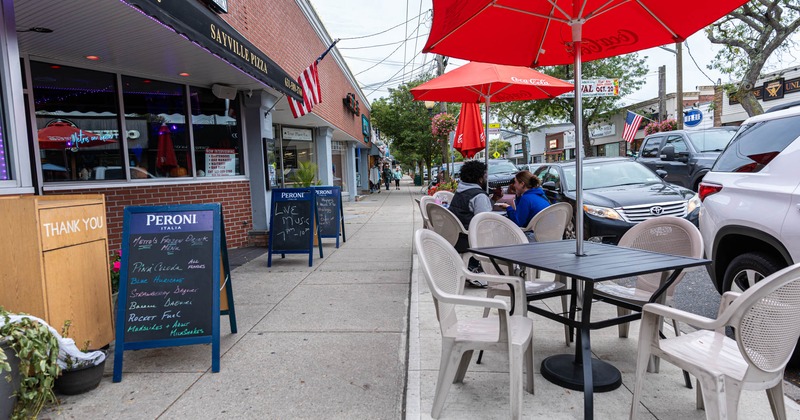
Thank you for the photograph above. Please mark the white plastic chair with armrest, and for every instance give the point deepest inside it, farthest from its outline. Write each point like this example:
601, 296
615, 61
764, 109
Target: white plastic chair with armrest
445, 274
425, 199
444, 196
764, 319
664, 234
490, 229
550, 224
444, 222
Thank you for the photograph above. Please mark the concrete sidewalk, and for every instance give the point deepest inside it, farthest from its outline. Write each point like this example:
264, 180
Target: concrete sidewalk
355, 337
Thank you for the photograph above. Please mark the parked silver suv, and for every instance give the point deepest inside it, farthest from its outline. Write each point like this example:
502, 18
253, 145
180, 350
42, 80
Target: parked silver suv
750, 220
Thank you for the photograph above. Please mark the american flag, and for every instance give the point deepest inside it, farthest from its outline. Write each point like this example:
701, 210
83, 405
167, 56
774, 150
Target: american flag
312, 93
632, 122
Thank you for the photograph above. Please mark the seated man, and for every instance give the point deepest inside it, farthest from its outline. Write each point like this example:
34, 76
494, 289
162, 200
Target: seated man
470, 199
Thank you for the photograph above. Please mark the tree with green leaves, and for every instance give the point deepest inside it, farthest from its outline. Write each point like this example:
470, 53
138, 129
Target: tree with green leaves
407, 125
630, 69
498, 145
749, 36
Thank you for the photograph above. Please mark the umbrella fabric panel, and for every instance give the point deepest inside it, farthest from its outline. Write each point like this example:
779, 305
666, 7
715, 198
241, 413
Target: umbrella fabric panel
537, 33
474, 81
470, 137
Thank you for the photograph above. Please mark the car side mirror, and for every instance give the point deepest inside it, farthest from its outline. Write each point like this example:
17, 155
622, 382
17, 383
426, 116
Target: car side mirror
549, 185
661, 173
668, 153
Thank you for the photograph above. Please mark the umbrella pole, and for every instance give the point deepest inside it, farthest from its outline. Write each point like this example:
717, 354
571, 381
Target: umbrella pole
488, 100
576, 46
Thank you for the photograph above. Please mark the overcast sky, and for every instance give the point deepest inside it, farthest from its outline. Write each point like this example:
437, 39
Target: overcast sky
390, 62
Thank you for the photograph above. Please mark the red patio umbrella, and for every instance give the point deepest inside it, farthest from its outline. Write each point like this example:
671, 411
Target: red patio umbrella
470, 137
63, 135
483, 82
165, 156
556, 32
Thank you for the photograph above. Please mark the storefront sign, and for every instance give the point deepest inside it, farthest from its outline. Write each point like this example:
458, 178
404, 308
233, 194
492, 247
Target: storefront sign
298, 134
351, 104
773, 90
692, 117
220, 162
595, 88
605, 130
552, 144
365, 128
203, 27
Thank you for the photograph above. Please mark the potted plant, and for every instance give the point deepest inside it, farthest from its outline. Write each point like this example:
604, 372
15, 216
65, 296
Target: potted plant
305, 174
35, 355
81, 370
114, 267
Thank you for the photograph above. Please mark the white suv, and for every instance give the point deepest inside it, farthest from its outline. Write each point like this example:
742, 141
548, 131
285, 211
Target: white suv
750, 219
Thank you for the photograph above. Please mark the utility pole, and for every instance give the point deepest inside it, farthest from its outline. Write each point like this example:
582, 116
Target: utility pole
662, 93
679, 88
440, 64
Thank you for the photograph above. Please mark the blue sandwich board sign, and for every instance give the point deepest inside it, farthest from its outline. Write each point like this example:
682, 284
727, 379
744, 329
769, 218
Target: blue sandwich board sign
170, 279
330, 213
293, 223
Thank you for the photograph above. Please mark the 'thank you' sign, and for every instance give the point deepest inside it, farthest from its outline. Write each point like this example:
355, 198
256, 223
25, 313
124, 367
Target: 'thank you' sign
170, 283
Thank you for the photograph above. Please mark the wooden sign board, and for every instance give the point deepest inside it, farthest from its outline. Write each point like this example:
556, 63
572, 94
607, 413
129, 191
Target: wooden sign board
330, 213
170, 279
293, 223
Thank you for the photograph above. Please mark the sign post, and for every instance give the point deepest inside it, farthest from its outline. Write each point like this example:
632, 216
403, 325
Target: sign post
170, 283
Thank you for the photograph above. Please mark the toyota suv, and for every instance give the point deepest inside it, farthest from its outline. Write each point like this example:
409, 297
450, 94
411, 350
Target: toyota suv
750, 219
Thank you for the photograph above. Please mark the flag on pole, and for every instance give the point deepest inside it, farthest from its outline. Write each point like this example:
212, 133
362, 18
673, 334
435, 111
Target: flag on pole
312, 93
309, 82
632, 122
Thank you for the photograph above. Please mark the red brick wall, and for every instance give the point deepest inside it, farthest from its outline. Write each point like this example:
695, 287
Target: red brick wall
284, 34
234, 197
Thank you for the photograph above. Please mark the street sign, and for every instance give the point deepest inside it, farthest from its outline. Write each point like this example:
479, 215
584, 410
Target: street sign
496, 154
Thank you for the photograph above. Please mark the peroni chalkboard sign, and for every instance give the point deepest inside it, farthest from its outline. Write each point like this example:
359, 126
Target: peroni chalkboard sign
293, 223
330, 213
170, 279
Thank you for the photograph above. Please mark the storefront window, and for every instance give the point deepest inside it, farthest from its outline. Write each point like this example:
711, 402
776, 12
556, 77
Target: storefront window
339, 162
77, 123
217, 142
296, 146
158, 138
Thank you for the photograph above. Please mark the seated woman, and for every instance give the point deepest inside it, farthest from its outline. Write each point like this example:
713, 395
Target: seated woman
530, 199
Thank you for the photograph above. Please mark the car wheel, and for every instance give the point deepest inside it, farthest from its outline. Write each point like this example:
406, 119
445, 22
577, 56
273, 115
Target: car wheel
748, 269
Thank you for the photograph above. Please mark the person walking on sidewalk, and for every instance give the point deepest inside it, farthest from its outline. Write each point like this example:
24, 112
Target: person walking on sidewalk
375, 178
388, 175
397, 175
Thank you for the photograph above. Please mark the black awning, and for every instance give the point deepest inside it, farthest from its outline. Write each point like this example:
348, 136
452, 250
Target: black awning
205, 28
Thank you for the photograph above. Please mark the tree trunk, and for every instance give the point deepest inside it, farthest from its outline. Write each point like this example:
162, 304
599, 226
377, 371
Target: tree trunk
587, 144
749, 102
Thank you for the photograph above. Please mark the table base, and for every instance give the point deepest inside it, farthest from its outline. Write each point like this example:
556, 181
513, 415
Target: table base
562, 370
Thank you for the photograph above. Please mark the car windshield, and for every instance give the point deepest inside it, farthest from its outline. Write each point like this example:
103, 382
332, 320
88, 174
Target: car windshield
711, 140
501, 167
611, 174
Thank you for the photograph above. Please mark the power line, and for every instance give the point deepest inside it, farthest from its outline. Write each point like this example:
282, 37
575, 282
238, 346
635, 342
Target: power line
689, 50
387, 57
383, 45
384, 31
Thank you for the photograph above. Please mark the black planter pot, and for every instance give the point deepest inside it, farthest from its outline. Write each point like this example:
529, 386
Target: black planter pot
78, 381
7, 389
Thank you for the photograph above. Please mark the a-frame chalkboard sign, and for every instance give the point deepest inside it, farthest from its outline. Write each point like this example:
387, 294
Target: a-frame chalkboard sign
172, 261
330, 213
293, 223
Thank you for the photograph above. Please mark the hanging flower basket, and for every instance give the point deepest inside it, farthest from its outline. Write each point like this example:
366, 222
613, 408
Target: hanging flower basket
441, 126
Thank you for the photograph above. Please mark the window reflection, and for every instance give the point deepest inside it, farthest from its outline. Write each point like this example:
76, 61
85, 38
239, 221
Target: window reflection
77, 121
217, 143
156, 112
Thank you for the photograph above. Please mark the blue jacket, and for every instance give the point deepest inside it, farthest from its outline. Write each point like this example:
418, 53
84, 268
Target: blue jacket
528, 204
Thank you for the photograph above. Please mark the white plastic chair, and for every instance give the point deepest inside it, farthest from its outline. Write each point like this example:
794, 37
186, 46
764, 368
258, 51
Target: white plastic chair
443, 196
444, 222
445, 274
425, 199
490, 229
666, 235
550, 223
764, 319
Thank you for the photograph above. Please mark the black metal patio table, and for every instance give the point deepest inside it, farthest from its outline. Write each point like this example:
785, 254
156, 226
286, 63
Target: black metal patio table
600, 262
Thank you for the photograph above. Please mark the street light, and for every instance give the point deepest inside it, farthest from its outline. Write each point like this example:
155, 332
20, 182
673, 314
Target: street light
678, 51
